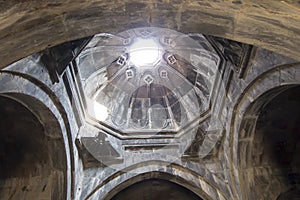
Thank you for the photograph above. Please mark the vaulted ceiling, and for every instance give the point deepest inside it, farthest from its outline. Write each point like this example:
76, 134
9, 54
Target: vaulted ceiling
219, 160
29, 26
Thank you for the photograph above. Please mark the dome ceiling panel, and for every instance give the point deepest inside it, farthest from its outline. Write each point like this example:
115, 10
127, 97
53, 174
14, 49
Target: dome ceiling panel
148, 80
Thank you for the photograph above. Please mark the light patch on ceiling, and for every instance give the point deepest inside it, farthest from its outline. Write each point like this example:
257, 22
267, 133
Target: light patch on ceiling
144, 52
101, 112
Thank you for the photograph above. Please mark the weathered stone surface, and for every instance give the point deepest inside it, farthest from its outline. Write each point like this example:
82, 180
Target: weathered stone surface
155, 189
241, 167
32, 164
30, 26
252, 162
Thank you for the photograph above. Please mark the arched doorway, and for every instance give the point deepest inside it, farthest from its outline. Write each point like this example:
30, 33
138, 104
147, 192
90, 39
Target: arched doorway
155, 189
269, 147
32, 156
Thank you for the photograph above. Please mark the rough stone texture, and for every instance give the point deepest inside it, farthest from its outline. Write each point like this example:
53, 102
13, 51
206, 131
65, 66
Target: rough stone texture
218, 176
33, 88
239, 144
155, 189
29, 167
30, 26
268, 161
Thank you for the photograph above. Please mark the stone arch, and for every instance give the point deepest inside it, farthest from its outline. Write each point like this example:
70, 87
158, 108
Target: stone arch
257, 146
247, 112
76, 20
156, 169
149, 176
52, 140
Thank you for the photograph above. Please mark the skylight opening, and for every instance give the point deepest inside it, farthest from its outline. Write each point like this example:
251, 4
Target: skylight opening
145, 52
101, 112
